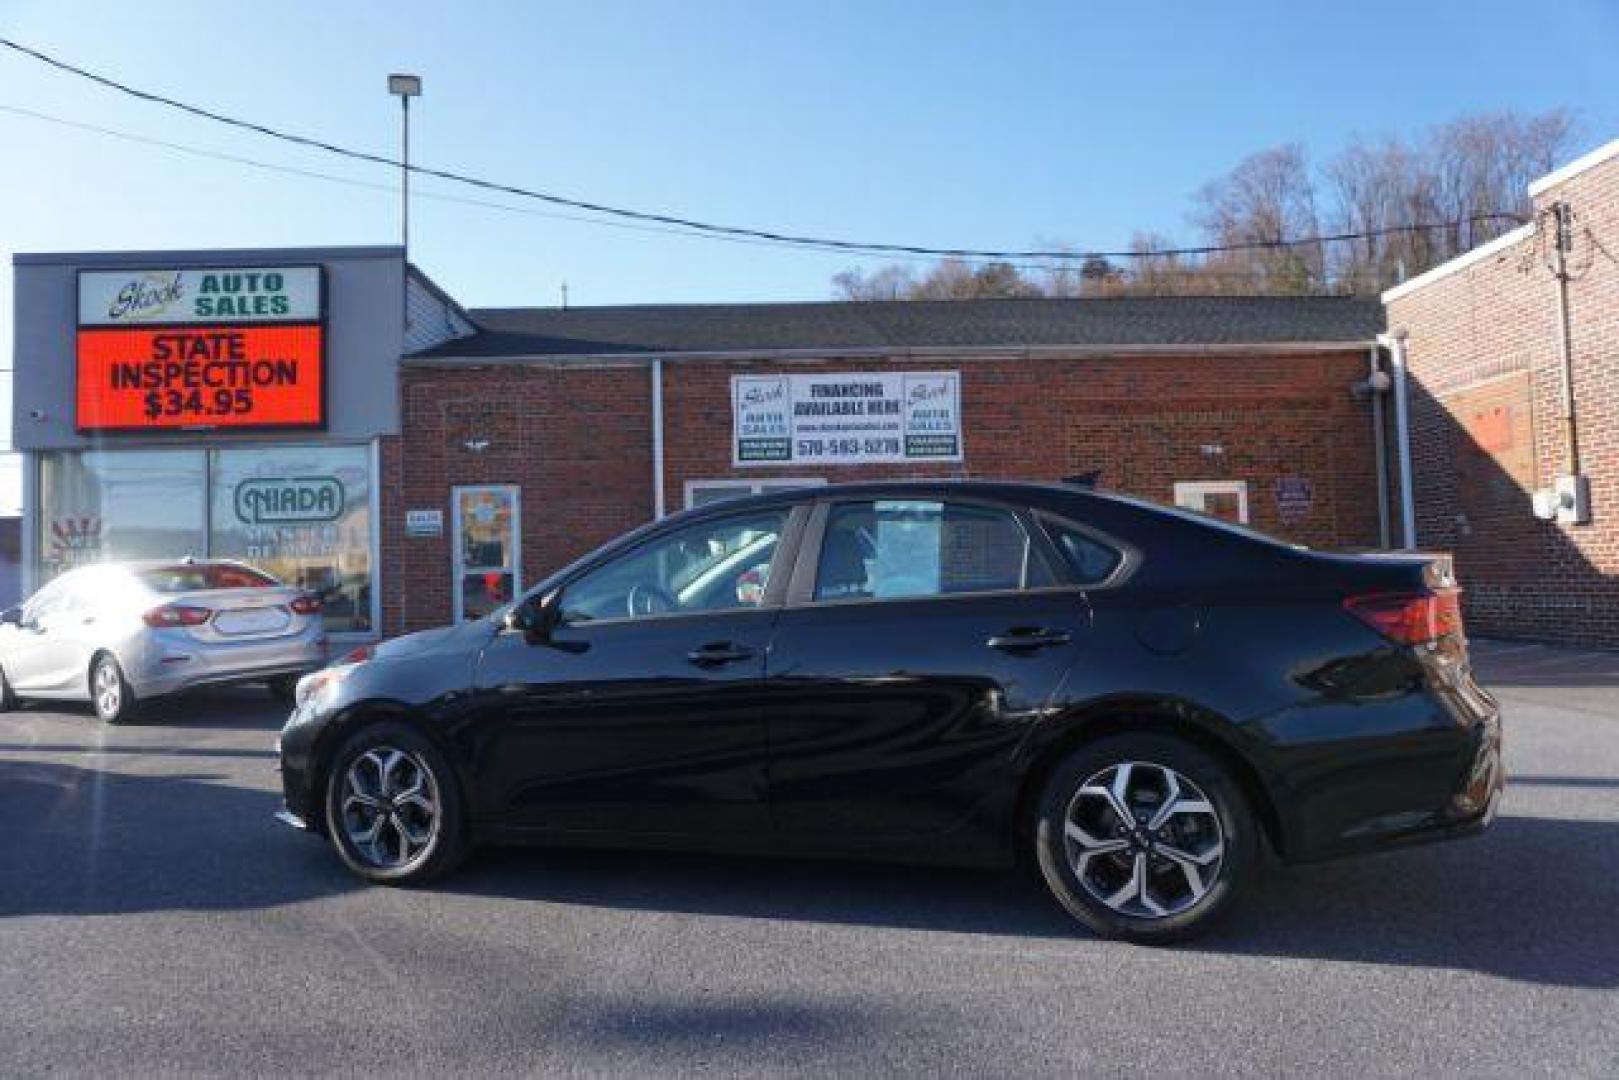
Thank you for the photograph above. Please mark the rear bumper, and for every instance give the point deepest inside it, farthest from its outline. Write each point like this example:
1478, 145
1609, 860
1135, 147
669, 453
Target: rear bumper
166, 667
1424, 766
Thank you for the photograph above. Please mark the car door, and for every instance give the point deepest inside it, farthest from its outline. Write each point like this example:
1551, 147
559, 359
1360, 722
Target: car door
33, 649
921, 639
641, 710
67, 638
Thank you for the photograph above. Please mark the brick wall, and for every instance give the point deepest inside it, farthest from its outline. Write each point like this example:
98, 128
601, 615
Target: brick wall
578, 441
1482, 349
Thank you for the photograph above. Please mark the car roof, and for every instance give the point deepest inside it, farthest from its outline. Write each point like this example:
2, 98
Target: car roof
158, 564
1019, 492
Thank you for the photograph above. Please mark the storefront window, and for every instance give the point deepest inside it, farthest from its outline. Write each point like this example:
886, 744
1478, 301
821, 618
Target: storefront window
303, 514
128, 504
299, 513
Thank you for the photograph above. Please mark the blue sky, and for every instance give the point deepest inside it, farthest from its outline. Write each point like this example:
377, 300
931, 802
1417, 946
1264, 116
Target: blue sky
976, 124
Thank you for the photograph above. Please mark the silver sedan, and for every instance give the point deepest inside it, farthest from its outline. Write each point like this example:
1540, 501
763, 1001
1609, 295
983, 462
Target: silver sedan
116, 634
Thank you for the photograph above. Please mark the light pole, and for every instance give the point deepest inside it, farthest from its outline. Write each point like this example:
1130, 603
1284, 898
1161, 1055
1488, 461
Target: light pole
405, 87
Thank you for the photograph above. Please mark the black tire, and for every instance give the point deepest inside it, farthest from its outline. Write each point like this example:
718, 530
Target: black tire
447, 845
110, 694
283, 688
1094, 767
8, 697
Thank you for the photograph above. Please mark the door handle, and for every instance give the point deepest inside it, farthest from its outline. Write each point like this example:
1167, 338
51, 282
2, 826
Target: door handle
1029, 638
719, 652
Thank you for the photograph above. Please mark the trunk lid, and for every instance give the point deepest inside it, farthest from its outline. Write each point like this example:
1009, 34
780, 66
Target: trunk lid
244, 614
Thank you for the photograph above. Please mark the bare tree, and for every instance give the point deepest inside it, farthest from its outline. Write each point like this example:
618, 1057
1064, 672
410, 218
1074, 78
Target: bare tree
893, 282
1375, 189
1409, 206
948, 279
1483, 166
1268, 199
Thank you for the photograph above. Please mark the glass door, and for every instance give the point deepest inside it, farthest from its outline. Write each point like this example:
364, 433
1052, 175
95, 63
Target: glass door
486, 552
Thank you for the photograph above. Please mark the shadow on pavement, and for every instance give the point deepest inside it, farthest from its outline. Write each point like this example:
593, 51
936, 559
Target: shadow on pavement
78, 841
248, 707
1531, 900
733, 1024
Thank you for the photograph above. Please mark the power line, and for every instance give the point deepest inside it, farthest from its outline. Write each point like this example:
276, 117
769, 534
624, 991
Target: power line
1203, 274
850, 246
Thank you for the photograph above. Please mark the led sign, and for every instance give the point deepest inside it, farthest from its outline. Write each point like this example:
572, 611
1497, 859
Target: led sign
201, 348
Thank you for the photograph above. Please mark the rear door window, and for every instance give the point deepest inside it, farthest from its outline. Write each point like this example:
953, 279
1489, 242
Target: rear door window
1090, 560
897, 548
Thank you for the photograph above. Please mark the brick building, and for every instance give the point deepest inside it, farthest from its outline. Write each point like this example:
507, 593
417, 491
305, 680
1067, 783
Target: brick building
332, 416
546, 431
1489, 354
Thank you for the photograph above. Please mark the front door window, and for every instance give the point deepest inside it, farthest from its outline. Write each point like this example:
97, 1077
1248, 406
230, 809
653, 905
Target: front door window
712, 566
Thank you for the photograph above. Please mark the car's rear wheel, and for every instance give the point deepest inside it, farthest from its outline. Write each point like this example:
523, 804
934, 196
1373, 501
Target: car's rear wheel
393, 807
1144, 837
8, 696
114, 701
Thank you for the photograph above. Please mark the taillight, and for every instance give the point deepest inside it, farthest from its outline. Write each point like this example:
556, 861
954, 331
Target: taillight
358, 656
306, 605
170, 615
1409, 618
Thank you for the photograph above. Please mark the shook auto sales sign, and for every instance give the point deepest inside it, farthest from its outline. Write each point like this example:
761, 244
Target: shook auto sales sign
211, 347
863, 418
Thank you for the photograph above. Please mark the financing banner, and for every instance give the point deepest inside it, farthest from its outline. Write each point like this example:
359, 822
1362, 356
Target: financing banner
854, 419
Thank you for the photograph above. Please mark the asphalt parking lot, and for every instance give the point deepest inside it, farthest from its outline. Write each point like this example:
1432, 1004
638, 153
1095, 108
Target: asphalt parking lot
153, 917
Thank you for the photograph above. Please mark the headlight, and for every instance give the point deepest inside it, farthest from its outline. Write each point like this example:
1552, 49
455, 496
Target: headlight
312, 685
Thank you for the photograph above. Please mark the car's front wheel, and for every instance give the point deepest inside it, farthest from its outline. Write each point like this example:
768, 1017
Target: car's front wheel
393, 806
1144, 837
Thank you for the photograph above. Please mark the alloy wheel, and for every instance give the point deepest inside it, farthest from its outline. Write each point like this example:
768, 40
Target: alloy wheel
109, 689
1144, 840
390, 807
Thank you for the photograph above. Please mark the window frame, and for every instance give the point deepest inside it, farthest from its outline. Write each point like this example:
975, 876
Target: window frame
458, 571
1239, 488
801, 590
767, 485
787, 552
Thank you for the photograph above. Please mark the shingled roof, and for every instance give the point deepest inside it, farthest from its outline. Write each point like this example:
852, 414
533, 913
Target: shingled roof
913, 324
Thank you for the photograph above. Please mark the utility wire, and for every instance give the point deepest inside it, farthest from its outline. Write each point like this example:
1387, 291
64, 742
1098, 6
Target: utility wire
1201, 273
851, 246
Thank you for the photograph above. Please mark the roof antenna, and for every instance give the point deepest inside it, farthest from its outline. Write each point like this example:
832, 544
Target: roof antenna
564, 296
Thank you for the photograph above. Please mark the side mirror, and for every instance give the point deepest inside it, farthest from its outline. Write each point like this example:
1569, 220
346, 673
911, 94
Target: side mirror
535, 617
12, 616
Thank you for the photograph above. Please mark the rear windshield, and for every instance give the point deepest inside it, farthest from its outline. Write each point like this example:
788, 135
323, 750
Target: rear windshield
182, 578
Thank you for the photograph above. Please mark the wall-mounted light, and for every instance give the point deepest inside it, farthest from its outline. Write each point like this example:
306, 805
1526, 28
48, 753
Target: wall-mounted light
476, 446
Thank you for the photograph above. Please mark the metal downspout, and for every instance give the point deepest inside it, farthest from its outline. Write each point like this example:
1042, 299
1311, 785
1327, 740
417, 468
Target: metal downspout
1379, 445
1402, 437
657, 439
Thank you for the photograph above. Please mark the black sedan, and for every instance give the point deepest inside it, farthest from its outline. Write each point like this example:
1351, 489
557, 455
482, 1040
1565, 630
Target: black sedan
1138, 700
